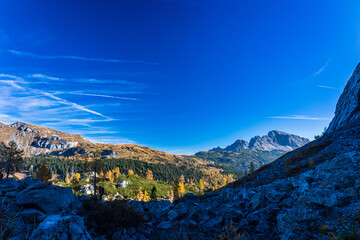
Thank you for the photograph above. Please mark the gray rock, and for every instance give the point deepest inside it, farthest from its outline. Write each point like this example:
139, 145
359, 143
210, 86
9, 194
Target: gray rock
123, 184
46, 198
87, 189
61, 227
164, 225
327, 197
347, 108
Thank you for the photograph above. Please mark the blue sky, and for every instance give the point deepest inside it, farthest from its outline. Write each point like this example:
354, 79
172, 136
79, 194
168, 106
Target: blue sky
176, 75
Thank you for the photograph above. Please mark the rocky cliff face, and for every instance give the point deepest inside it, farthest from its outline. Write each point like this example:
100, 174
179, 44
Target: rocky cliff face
274, 140
38, 140
348, 106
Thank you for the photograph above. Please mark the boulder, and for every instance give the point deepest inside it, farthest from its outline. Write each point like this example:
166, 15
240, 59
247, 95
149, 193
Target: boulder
87, 189
46, 198
327, 198
61, 227
123, 183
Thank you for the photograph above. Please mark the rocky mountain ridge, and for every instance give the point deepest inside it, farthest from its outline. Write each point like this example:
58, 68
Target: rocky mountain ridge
274, 140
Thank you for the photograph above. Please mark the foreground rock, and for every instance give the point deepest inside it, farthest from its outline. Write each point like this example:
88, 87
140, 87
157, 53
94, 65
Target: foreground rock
40, 211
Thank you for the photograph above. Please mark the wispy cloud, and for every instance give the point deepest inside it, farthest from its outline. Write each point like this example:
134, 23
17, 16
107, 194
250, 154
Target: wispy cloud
101, 95
301, 117
42, 76
323, 86
322, 68
55, 57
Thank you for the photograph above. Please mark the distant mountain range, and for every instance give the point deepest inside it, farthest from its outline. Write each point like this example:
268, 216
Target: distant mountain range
259, 150
274, 140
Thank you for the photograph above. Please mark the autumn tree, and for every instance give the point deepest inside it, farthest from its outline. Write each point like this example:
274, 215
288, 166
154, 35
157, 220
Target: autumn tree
67, 179
140, 195
77, 176
110, 176
117, 172
224, 181
11, 158
130, 172
149, 175
43, 173
182, 179
146, 197
201, 185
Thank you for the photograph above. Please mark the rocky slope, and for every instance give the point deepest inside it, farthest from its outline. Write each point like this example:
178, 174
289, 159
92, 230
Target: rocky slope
312, 192
38, 140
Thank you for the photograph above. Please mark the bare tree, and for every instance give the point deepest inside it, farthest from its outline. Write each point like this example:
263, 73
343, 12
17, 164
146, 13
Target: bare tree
11, 158
95, 164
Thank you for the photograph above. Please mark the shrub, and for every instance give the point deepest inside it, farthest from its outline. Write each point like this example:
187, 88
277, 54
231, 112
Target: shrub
110, 217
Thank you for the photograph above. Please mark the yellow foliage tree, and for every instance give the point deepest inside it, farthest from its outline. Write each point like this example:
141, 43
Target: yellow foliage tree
180, 189
149, 175
146, 197
182, 179
110, 176
201, 185
130, 172
224, 181
67, 179
117, 172
77, 176
140, 195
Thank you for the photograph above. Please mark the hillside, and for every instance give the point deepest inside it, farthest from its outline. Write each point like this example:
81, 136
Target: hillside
259, 150
38, 140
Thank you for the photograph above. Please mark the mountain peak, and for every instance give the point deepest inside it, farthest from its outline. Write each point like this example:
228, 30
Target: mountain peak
274, 140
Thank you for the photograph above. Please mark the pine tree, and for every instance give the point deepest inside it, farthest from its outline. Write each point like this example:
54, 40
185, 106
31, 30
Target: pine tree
43, 173
154, 193
11, 158
252, 168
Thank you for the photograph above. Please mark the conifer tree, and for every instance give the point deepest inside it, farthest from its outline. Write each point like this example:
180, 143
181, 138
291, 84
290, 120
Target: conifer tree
11, 158
252, 168
43, 173
154, 193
